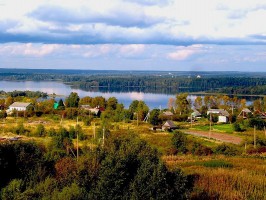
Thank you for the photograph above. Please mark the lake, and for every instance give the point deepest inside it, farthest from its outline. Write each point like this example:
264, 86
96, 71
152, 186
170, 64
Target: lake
59, 88
151, 99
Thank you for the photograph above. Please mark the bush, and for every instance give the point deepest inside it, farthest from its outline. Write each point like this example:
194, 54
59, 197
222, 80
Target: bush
237, 127
200, 150
259, 123
179, 141
258, 150
227, 150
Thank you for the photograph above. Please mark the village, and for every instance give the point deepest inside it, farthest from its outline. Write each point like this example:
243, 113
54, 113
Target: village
205, 138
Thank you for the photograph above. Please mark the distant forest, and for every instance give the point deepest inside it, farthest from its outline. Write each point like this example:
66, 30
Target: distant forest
231, 83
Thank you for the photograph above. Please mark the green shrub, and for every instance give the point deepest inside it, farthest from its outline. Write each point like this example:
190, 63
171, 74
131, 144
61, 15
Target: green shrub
179, 141
228, 150
217, 164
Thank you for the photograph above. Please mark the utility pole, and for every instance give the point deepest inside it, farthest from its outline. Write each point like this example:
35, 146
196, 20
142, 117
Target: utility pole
254, 137
103, 136
94, 132
137, 118
191, 120
3, 126
77, 139
17, 117
210, 126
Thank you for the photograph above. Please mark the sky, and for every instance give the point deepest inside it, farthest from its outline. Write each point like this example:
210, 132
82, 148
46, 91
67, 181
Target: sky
168, 35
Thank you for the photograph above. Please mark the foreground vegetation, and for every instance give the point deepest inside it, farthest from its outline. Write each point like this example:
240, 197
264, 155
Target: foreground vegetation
71, 153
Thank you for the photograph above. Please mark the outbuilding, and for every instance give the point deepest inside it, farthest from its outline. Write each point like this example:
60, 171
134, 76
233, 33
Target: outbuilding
19, 106
169, 125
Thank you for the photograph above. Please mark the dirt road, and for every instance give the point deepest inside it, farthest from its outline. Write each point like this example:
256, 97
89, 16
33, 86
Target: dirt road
217, 136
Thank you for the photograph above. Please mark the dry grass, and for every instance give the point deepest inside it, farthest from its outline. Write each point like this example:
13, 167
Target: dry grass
245, 180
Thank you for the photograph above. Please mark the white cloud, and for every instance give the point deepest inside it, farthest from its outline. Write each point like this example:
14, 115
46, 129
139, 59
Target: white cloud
183, 53
29, 49
132, 22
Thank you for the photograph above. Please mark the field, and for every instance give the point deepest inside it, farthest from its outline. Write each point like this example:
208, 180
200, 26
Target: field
220, 177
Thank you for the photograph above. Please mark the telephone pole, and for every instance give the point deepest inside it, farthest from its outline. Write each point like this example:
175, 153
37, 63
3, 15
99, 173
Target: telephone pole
254, 137
103, 136
77, 140
210, 126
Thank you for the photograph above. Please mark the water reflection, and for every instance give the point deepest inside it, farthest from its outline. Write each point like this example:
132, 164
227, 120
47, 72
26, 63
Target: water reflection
154, 98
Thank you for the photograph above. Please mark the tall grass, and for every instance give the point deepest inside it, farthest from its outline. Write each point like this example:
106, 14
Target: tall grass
245, 179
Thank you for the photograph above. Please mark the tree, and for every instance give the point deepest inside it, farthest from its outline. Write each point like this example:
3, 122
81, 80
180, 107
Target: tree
66, 170
111, 103
198, 103
154, 117
98, 102
85, 101
133, 106
179, 141
182, 104
12, 190
72, 100
142, 110
40, 130
171, 103
61, 105
3, 114
131, 169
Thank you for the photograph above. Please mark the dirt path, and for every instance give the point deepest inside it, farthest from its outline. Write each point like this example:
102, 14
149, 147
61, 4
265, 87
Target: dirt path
217, 136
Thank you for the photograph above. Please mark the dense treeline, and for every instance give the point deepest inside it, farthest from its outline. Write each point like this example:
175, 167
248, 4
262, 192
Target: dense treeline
125, 168
233, 83
27, 93
248, 90
174, 84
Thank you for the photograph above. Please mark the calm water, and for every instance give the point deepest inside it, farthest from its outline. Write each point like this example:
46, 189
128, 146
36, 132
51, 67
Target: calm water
152, 100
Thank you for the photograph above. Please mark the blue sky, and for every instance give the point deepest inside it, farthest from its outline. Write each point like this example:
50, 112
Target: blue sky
190, 35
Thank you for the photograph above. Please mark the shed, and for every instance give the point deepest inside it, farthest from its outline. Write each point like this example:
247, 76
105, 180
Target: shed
169, 125
245, 113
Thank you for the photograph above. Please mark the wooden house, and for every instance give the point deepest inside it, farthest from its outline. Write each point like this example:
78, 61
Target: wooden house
169, 125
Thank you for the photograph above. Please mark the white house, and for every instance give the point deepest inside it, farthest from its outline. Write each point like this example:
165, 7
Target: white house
19, 106
223, 115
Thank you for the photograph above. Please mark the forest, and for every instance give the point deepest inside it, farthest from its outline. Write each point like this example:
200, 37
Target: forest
232, 83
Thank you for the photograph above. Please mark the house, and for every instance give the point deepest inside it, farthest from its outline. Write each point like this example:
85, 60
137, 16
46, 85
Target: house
169, 125
19, 106
85, 107
223, 115
168, 113
95, 111
195, 114
245, 113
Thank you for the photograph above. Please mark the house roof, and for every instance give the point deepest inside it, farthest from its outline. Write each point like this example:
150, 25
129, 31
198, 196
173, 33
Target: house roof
168, 113
218, 111
196, 113
169, 123
20, 104
246, 110
86, 107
